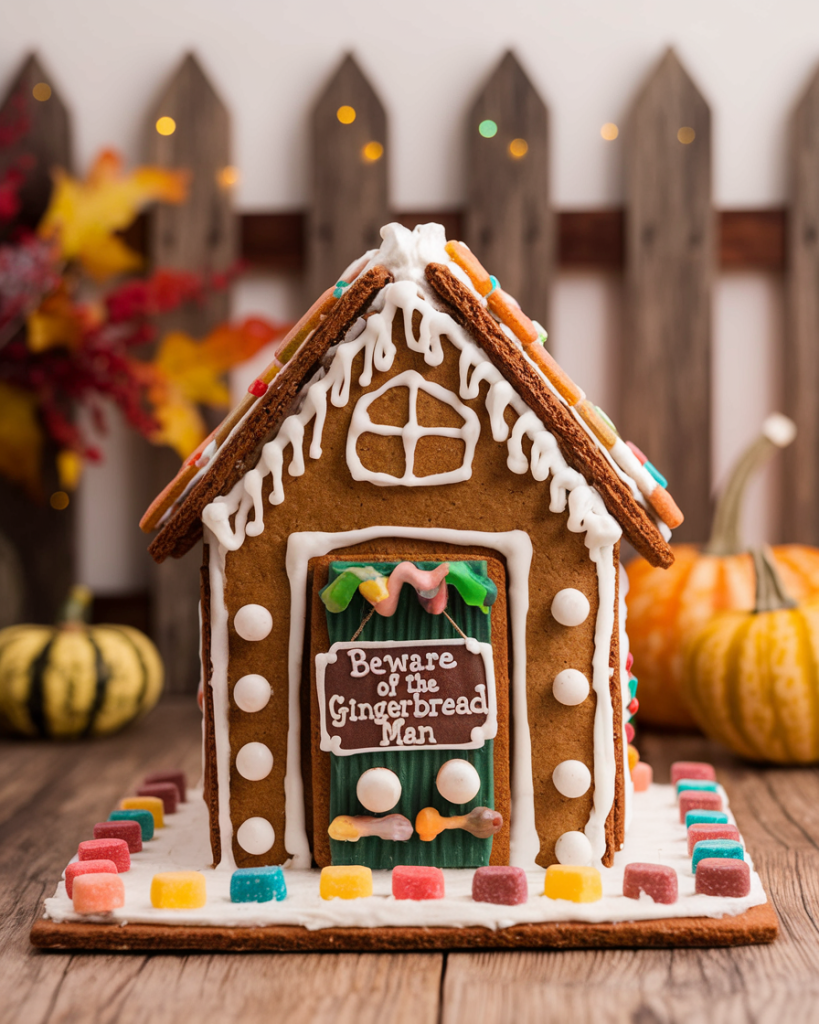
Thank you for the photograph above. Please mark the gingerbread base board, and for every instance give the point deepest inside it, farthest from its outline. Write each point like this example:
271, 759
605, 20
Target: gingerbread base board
304, 921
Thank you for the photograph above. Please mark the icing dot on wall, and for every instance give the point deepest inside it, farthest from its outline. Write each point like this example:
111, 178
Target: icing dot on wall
254, 761
570, 607
252, 693
253, 622
571, 778
458, 781
570, 687
378, 789
256, 836
573, 848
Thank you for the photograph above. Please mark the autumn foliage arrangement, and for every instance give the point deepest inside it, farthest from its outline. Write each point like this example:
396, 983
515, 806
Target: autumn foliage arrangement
78, 331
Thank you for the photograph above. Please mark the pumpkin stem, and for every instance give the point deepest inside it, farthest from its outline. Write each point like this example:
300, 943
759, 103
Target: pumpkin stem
771, 595
75, 611
777, 432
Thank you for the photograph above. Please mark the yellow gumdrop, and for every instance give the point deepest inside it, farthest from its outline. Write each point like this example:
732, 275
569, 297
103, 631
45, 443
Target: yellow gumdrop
344, 829
345, 881
178, 890
374, 591
145, 803
633, 757
573, 882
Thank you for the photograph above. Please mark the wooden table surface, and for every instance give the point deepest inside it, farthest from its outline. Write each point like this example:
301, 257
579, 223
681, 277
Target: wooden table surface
51, 793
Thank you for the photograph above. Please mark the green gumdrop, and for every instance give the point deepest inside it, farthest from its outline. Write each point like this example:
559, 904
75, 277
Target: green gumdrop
632, 685
476, 590
337, 595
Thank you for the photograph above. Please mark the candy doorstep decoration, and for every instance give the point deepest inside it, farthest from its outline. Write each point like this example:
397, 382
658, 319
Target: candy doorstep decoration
417, 685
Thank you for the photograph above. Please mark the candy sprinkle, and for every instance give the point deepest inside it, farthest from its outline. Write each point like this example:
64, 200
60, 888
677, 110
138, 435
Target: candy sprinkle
257, 388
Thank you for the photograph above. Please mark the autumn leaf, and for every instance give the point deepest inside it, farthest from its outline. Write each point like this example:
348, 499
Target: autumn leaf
21, 439
59, 321
83, 215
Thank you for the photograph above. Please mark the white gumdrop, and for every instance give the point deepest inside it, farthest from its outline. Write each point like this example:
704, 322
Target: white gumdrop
570, 687
570, 607
253, 622
571, 778
458, 781
254, 761
256, 836
378, 789
574, 848
251, 693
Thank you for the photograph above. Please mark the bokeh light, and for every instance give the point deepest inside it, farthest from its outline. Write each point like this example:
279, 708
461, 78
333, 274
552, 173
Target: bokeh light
609, 131
59, 500
346, 114
166, 126
227, 177
518, 148
488, 129
371, 152
686, 135
41, 92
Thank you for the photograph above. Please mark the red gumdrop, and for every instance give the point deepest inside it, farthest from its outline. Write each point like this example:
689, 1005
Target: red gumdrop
656, 880
410, 882
640, 455
629, 732
115, 850
179, 779
723, 876
86, 867
634, 706
629, 661
694, 800
691, 770
130, 831
98, 893
166, 791
257, 388
708, 830
500, 883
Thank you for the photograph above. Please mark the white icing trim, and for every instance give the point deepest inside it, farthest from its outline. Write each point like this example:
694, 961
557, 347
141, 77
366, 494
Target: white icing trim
516, 547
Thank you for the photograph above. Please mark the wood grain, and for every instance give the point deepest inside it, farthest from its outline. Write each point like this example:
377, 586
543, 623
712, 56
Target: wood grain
801, 352
349, 190
199, 235
508, 219
42, 536
665, 386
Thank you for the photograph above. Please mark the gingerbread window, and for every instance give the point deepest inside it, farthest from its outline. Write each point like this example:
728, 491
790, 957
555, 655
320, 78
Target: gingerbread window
412, 432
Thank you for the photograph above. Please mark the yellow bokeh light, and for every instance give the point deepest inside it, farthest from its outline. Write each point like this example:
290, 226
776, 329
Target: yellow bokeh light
518, 148
686, 135
59, 500
609, 131
41, 92
166, 126
227, 177
346, 114
372, 151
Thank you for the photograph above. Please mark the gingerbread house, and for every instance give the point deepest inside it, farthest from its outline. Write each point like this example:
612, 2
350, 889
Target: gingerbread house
413, 627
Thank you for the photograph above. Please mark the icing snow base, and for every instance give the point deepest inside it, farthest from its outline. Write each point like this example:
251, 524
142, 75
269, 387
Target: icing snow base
656, 836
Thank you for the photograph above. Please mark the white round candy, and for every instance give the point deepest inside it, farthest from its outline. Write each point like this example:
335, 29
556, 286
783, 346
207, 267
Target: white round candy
378, 789
256, 836
570, 607
251, 693
570, 687
573, 848
458, 781
253, 622
254, 761
571, 778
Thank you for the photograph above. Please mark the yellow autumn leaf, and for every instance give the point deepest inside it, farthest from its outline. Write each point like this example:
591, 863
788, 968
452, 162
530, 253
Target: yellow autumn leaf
82, 216
191, 366
21, 439
181, 426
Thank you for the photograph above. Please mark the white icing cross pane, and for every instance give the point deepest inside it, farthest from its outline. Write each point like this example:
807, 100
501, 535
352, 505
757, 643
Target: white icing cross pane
411, 432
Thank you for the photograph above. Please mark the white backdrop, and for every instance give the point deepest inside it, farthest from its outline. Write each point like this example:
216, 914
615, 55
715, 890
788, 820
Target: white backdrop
427, 59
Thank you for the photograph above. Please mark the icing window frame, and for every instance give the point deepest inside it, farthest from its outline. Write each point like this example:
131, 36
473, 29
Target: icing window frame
411, 432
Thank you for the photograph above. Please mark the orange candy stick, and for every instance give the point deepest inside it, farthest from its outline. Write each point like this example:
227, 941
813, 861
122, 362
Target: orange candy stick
472, 267
481, 822
665, 507
601, 430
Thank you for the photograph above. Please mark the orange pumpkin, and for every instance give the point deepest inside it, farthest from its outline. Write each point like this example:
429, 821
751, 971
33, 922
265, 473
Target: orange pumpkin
667, 607
752, 678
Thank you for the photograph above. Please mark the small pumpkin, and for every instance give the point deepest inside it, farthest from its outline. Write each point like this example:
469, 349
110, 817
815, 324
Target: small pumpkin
667, 607
74, 680
752, 678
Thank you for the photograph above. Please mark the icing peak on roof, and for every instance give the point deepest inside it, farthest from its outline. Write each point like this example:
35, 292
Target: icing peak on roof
406, 253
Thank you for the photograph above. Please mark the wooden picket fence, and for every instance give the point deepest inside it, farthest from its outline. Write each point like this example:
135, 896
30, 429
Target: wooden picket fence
668, 243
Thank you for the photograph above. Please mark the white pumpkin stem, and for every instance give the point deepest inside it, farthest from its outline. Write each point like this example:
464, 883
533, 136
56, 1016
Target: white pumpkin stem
74, 613
726, 536
771, 595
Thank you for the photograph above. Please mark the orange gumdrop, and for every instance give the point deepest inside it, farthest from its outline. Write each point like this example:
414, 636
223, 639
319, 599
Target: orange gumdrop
429, 824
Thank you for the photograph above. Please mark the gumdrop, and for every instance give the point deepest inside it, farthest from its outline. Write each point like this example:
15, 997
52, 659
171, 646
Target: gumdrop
642, 776
629, 732
178, 890
166, 791
257, 885
708, 849
571, 882
144, 819
345, 881
98, 893
179, 779
701, 785
709, 830
115, 850
692, 800
702, 817
656, 880
130, 831
412, 882
145, 803
691, 770
723, 877
500, 883
633, 757
86, 867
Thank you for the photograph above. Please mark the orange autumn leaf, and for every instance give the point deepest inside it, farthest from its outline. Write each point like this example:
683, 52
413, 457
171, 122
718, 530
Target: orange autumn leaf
59, 321
21, 439
83, 216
